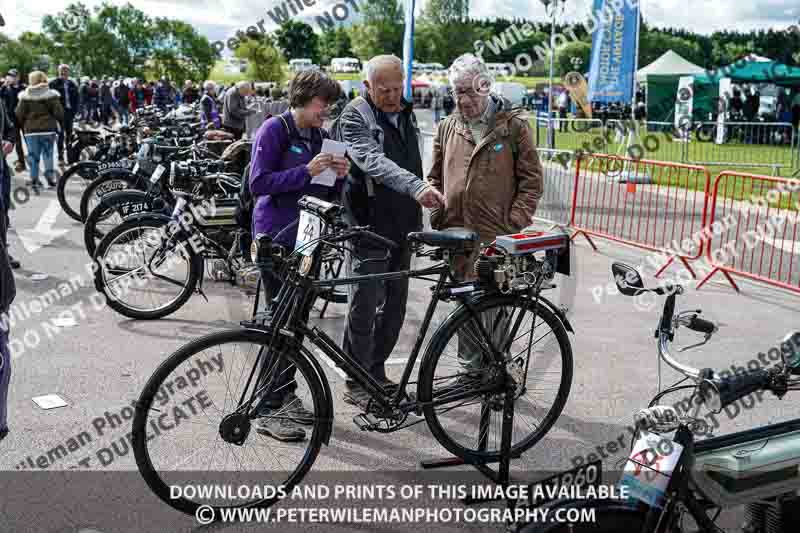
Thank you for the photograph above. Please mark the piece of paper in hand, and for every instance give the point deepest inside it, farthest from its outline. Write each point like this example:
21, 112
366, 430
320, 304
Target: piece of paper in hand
328, 177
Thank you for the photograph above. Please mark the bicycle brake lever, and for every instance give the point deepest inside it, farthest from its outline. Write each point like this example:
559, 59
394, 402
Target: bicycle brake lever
707, 338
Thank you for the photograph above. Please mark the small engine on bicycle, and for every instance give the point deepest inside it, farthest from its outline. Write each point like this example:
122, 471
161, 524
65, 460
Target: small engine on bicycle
185, 176
511, 263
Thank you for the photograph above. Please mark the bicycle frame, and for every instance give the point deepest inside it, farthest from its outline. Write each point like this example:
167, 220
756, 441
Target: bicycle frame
464, 292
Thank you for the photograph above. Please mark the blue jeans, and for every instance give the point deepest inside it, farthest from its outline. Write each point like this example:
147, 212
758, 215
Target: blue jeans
123, 115
5, 378
41, 147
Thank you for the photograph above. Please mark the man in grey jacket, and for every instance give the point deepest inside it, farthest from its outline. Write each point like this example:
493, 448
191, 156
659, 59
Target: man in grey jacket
384, 190
234, 109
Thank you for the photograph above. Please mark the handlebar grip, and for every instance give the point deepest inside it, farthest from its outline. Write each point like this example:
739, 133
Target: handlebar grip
376, 239
701, 326
734, 388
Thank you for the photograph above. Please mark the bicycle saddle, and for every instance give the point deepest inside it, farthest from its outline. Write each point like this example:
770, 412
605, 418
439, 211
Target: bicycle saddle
450, 238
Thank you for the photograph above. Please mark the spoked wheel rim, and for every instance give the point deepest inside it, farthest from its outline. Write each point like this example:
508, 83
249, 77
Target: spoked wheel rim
142, 272
207, 379
108, 220
74, 186
469, 424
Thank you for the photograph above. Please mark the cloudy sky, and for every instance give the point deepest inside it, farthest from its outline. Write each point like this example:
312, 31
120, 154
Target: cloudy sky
219, 19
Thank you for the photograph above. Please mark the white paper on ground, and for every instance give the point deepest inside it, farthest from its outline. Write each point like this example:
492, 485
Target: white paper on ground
49, 401
64, 322
328, 177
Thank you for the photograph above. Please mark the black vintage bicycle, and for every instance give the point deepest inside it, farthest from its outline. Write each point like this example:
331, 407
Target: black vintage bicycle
504, 342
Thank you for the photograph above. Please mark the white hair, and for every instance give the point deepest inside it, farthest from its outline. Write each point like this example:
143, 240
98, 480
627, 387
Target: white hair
378, 63
468, 66
209, 85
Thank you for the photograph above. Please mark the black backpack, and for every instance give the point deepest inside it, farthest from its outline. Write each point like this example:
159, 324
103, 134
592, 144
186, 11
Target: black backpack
244, 211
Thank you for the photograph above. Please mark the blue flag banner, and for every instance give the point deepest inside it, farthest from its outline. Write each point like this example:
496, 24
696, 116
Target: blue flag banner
408, 48
614, 49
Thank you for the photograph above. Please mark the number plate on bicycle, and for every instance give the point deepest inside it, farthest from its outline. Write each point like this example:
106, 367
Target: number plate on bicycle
308, 230
650, 466
548, 489
157, 173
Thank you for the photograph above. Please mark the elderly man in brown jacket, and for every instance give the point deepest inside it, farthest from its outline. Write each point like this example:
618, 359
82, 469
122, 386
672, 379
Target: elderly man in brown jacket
486, 166
484, 160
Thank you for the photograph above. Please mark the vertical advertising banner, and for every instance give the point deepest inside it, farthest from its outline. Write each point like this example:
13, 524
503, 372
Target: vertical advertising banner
613, 61
408, 48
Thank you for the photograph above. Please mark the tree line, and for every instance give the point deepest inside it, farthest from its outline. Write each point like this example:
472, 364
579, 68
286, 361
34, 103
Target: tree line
114, 40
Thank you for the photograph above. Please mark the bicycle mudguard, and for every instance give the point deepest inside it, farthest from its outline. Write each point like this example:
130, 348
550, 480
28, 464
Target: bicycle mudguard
542, 300
124, 174
558, 312
326, 410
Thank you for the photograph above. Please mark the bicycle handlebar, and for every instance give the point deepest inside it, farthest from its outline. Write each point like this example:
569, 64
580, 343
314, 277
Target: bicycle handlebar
718, 393
376, 239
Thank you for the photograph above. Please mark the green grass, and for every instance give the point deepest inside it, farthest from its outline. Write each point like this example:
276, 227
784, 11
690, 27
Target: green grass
530, 83
347, 76
218, 74
664, 148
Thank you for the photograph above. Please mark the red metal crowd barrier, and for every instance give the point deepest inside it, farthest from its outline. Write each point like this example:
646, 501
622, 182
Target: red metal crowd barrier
668, 215
758, 217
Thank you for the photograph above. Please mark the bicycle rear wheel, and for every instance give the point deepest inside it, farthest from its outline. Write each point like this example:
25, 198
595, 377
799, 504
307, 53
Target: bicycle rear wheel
457, 370
192, 406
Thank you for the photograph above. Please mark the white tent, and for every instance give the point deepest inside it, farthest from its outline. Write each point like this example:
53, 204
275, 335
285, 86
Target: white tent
669, 64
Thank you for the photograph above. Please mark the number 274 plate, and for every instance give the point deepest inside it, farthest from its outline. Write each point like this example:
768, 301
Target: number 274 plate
308, 230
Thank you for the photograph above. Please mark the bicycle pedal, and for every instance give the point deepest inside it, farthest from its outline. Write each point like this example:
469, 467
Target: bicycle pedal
366, 422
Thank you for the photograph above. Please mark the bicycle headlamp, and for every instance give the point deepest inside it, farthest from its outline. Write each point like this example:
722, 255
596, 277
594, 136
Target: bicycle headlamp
305, 265
254, 252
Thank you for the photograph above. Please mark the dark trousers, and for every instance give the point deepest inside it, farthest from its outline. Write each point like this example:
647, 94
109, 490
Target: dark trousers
5, 197
284, 381
376, 310
65, 133
105, 114
5, 378
18, 142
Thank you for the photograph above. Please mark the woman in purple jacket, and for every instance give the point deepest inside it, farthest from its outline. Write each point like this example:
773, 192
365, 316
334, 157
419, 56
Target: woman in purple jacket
286, 156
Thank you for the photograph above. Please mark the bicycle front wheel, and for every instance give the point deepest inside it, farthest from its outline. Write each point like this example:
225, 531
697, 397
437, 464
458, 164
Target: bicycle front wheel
459, 367
195, 426
72, 184
110, 213
145, 271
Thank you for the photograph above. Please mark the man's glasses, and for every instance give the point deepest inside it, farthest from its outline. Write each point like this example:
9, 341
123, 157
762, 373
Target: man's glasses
470, 94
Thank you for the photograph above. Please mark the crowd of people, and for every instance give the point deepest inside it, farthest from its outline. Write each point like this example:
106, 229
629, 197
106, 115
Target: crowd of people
381, 183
